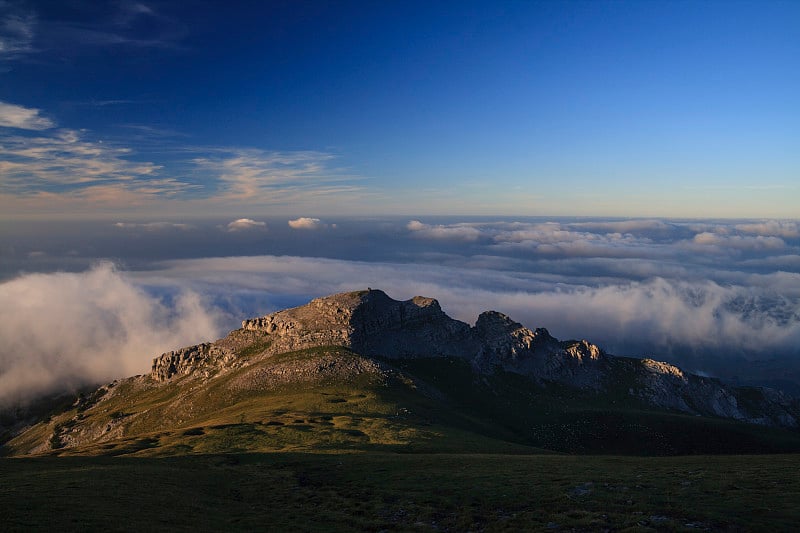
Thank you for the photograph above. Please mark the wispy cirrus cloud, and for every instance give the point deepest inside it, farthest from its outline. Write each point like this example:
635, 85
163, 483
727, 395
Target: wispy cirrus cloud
124, 23
64, 163
66, 169
252, 175
17, 30
24, 118
26, 31
65, 158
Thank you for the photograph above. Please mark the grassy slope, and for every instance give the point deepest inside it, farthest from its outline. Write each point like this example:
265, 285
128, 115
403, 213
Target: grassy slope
431, 405
364, 412
410, 492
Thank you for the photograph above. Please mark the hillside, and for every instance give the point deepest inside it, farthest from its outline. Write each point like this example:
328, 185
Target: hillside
361, 371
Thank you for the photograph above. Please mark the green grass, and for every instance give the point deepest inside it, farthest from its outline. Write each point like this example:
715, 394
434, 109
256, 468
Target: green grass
407, 492
429, 405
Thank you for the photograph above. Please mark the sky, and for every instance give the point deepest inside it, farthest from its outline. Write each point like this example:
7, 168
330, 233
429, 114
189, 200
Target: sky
181, 109
621, 172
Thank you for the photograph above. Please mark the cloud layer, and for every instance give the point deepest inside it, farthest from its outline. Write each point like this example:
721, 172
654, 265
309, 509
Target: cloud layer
59, 331
659, 315
695, 291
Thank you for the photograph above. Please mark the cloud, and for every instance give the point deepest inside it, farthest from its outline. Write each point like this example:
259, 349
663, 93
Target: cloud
456, 232
153, 226
784, 262
67, 170
731, 294
65, 158
25, 118
780, 228
737, 242
245, 224
258, 176
119, 24
305, 223
667, 317
59, 331
626, 226
16, 32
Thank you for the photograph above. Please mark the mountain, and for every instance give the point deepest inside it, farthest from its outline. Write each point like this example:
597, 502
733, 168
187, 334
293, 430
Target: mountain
360, 370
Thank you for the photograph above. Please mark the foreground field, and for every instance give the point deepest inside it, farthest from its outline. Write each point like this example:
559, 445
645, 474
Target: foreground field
411, 492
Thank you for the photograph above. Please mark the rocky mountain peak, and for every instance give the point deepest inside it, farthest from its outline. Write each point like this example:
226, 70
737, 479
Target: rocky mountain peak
372, 324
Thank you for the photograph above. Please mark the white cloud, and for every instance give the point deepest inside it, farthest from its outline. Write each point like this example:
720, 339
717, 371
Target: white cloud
456, 232
780, 228
624, 226
737, 242
152, 226
65, 330
25, 118
660, 314
305, 223
245, 224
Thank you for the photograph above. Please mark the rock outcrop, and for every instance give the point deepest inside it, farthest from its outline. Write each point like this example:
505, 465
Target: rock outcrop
367, 322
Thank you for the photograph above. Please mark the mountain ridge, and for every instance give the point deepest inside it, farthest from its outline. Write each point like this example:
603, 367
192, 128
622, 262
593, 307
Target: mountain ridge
360, 369
373, 324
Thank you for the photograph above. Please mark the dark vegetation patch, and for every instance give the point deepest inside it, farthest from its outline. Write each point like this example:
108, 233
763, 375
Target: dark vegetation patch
509, 406
403, 492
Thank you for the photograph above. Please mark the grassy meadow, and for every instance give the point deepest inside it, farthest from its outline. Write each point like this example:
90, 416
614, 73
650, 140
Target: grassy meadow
407, 492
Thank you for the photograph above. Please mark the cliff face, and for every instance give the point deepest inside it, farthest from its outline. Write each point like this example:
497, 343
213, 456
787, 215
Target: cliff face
372, 324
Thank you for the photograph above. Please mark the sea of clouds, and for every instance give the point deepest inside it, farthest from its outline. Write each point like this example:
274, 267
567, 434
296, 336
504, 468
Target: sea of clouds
90, 303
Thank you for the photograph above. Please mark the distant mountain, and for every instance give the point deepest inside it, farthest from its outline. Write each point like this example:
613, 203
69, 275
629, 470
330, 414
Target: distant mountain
361, 370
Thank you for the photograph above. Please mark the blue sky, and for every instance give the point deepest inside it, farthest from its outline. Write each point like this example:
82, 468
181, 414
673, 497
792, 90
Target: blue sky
628, 109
